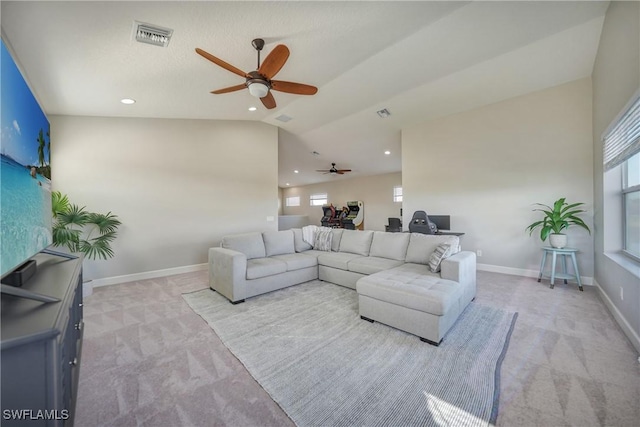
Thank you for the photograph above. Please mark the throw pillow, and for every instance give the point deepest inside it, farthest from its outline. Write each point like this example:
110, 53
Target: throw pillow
441, 252
323, 240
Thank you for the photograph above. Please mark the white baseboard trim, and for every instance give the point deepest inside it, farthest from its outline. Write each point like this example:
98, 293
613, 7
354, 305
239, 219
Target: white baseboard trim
587, 281
624, 325
145, 275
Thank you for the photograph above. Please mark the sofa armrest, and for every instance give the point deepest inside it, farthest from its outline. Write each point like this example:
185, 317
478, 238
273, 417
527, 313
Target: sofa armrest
228, 272
461, 268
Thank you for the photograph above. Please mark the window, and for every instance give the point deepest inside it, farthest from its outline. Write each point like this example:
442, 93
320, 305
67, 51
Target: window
631, 205
397, 194
318, 199
621, 145
292, 201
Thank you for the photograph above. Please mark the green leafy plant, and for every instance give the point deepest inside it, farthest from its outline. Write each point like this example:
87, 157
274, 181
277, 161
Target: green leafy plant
558, 218
82, 231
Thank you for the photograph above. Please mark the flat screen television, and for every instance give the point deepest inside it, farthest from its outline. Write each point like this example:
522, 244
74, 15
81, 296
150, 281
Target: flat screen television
25, 170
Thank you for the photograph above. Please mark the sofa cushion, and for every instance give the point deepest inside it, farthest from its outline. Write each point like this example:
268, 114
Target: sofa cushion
323, 240
335, 239
421, 246
356, 242
409, 267
250, 244
314, 253
297, 261
337, 259
298, 242
412, 290
390, 245
278, 242
372, 264
261, 267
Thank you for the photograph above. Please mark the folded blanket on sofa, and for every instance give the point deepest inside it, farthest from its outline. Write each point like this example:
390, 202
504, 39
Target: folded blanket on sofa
309, 233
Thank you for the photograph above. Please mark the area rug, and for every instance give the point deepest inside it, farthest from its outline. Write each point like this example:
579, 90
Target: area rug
308, 348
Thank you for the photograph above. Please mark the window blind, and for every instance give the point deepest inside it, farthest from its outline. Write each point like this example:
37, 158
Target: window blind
622, 141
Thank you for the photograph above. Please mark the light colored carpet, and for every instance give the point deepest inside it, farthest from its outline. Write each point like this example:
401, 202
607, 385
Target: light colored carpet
148, 360
309, 349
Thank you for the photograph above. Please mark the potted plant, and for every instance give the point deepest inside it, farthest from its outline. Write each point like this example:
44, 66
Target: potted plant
81, 231
556, 219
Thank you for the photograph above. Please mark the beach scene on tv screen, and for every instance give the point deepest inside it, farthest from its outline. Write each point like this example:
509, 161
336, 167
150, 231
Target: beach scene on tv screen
25, 170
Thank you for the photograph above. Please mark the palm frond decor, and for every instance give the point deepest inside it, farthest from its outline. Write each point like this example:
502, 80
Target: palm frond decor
82, 231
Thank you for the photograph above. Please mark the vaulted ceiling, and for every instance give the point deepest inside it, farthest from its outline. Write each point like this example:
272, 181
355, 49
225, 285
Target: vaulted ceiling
419, 59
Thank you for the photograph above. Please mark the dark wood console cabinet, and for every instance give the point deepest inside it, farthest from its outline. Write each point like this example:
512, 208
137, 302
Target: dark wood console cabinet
41, 346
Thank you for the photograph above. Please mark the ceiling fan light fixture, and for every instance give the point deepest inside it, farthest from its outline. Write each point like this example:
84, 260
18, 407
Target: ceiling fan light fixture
258, 89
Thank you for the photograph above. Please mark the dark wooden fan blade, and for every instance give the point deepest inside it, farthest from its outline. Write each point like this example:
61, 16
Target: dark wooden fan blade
221, 63
323, 170
344, 170
229, 89
269, 101
291, 87
274, 61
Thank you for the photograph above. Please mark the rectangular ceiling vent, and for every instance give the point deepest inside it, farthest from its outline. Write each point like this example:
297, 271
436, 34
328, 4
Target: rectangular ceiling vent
151, 34
384, 113
283, 118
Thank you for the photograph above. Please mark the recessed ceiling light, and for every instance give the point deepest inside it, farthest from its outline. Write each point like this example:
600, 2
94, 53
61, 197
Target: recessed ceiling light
387, 152
128, 101
287, 183
252, 108
296, 171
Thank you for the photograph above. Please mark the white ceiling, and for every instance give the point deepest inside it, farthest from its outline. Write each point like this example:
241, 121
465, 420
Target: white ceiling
419, 59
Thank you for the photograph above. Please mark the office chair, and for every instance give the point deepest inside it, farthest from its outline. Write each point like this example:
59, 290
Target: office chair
420, 223
395, 225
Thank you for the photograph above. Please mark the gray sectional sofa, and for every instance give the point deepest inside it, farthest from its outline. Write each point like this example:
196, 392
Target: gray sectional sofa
390, 272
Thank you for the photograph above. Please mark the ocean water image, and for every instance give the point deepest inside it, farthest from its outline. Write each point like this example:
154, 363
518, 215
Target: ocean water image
25, 170
25, 202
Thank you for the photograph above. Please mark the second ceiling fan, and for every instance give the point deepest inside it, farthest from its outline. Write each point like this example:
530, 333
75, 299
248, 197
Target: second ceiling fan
333, 170
259, 81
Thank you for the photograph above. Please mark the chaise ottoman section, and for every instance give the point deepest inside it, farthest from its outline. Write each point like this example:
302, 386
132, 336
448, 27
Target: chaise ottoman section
423, 305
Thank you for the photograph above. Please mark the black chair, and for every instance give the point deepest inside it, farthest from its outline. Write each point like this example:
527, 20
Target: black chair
395, 225
420, 223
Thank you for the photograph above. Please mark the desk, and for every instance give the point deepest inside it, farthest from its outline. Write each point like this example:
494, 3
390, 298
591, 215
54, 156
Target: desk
449, 233
564, 253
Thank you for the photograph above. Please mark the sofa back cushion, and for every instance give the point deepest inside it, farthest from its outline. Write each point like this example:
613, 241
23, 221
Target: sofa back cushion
390, 245
298, 242
335, 239
278, 242
250, 244
421, 246
356, 242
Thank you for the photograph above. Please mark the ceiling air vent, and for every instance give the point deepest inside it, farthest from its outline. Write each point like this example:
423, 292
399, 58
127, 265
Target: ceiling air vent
283, 118
151, 34
384, 113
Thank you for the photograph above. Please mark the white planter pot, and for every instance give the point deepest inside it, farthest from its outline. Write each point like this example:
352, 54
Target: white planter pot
558, 240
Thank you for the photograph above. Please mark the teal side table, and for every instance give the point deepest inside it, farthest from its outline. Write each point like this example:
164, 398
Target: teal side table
563, 253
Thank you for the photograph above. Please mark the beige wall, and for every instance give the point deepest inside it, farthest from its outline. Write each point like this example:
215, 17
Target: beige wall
616, 77
487, 167
376, 192
178, 186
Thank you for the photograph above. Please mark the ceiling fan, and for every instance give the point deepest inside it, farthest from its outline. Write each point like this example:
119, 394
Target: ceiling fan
333, 170
259, 81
